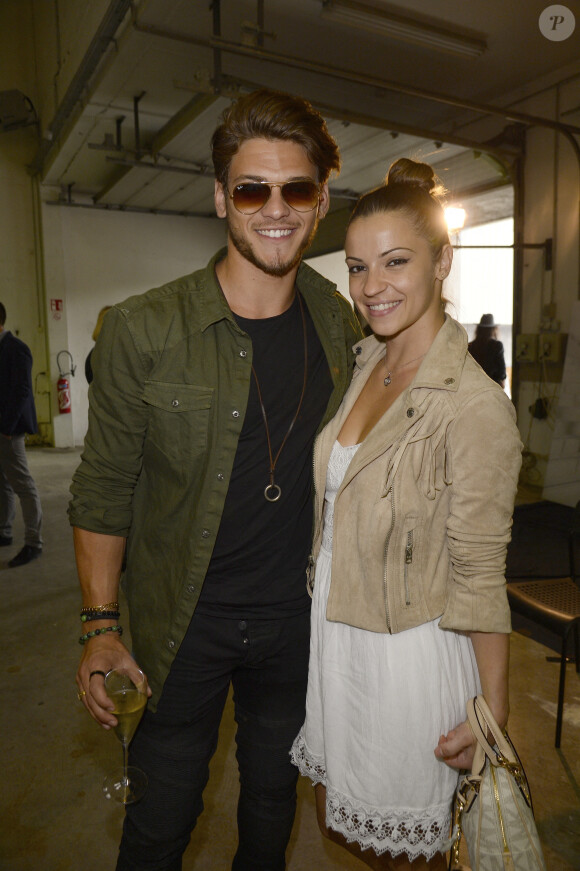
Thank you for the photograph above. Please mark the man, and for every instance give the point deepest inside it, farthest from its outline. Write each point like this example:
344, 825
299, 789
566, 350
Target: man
207, 395
17, 417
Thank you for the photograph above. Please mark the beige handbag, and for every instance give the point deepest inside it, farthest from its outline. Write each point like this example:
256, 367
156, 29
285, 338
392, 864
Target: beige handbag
493, 808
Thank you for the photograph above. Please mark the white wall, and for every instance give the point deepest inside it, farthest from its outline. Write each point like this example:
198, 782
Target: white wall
95, 258
333, 267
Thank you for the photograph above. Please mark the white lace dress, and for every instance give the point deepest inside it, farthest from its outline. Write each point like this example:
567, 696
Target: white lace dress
375, 709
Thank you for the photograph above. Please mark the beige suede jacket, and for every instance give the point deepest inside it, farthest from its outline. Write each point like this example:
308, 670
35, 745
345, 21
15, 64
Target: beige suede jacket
423, 516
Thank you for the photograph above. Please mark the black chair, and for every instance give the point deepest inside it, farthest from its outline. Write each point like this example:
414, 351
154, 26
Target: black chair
554, 603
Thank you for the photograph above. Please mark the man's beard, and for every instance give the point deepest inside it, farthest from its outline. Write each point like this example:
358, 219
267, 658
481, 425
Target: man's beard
280, 269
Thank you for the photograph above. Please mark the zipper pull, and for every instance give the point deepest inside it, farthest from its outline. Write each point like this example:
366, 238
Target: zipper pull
409, 548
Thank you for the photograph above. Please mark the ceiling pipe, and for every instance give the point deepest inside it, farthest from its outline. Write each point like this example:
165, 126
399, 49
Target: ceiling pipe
373, 82
163, 167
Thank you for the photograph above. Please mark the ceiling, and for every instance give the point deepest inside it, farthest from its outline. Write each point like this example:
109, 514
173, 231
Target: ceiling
132, 131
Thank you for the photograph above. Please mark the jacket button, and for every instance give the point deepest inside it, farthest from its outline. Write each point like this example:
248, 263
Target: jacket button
243, 353
220, 476
410, 412
171, 644
358, 349
235, 413
205, 533
175, 403
450, 381
191, 588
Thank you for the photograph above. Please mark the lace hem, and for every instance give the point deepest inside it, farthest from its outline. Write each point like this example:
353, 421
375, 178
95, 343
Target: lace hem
306, 763
400, 831
394, 831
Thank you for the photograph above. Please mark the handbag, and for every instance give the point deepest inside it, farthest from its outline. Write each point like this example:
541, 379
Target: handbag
493, 807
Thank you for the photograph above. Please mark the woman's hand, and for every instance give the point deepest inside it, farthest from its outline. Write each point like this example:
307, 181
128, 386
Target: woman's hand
456, 748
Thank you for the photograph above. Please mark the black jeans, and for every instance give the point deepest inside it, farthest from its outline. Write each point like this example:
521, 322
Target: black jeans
267, 663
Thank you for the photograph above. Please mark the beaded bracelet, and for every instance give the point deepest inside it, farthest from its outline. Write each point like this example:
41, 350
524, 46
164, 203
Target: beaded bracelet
108, 606
94, 632
99, 615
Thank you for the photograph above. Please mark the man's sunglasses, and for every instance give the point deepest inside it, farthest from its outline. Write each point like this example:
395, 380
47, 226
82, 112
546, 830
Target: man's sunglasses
250, 196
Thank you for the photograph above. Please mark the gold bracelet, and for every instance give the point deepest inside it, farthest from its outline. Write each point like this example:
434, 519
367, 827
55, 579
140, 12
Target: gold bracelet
109, 606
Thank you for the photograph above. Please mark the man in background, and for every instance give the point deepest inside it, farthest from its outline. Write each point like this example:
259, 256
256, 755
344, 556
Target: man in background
17, 417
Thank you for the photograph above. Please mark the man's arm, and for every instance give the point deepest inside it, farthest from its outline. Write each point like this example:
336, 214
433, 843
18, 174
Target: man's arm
99, 558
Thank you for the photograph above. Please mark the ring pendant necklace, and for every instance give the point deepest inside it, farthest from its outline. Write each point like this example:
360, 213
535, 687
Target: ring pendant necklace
273, 491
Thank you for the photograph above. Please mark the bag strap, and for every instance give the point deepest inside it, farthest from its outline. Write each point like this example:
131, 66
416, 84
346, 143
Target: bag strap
481, 721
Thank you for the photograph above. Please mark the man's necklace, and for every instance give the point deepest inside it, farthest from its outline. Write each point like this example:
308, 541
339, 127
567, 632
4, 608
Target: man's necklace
272, 491
391, 372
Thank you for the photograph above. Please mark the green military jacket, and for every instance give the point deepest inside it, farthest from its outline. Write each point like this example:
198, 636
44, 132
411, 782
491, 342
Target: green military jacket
172, 376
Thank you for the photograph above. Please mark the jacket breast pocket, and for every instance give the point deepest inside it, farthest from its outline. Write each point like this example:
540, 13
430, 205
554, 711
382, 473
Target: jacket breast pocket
179, 417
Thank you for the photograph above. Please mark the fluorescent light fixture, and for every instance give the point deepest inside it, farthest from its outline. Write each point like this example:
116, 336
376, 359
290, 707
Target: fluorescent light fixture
390, 24
455, 218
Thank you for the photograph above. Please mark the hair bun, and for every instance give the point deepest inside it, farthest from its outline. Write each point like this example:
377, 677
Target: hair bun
411, 172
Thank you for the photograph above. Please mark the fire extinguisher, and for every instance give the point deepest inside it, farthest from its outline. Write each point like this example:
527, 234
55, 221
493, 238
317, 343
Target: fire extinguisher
63, 384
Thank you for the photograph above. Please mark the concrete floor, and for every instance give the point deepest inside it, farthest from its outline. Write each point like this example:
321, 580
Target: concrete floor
53, 815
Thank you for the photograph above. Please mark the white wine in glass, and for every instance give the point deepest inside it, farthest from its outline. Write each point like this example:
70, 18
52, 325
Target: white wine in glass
130, 699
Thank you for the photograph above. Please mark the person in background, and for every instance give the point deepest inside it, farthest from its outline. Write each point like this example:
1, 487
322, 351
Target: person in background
207, 395
415, 480
17, 417
96, 331
487, 350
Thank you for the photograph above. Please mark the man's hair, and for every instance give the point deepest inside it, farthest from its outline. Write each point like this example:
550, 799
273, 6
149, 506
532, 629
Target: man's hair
273, 115
2, 315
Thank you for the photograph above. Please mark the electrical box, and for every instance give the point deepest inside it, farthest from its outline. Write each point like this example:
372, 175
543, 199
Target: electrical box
526, 348
551, 347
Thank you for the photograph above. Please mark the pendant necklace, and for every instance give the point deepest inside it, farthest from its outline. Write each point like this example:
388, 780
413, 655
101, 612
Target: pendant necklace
388, 379
272, 491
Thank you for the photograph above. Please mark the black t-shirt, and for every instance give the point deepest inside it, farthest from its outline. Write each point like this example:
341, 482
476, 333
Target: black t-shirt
259, 559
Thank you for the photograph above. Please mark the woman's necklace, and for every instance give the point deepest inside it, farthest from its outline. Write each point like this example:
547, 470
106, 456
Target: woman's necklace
272, 491
391, 372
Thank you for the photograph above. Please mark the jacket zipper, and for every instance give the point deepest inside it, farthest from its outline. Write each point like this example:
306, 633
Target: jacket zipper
387, 540
408, 561
506, 849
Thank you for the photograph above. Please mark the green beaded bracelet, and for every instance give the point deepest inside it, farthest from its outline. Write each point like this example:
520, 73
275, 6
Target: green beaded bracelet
94, 632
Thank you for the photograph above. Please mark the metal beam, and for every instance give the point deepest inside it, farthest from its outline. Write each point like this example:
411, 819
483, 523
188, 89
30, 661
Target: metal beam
110, 207
176, 125
71, 102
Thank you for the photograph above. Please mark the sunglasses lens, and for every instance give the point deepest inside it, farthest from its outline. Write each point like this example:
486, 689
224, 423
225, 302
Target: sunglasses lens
301, 195
249, 197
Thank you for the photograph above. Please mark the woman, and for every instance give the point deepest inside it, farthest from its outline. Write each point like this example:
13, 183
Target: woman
487, 350
415, 482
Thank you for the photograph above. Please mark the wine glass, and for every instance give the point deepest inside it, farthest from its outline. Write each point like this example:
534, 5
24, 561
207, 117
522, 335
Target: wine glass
130, 698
